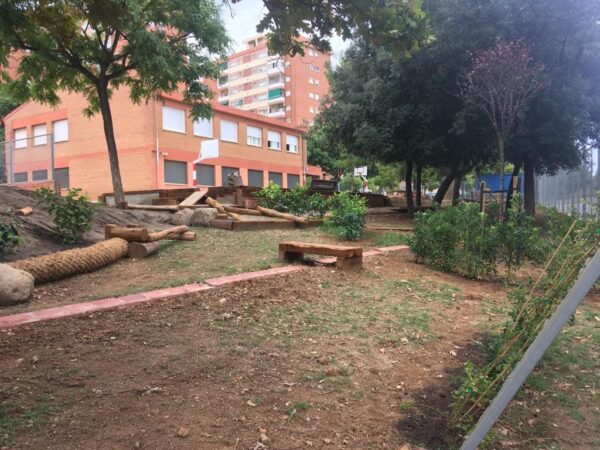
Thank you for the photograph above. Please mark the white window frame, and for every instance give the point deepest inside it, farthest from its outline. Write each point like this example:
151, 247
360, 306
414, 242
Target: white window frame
251, 139
291, 148
60, 134
20, 138
271, 141
229, 138
311, 95
317, 97
203, 127
40, 138
168, 124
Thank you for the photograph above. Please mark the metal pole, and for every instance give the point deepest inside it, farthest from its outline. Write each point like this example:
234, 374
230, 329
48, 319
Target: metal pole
11, 149
56, 188
587, 278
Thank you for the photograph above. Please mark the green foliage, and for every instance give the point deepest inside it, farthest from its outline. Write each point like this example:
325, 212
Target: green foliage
296, 201
72, 213
435, 238
9, 237
350, 183
391, 238
348, 214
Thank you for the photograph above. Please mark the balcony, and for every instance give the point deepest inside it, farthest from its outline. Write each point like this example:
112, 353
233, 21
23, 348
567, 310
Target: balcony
277, 114
223, 98
222, 82
275, 67
276, 96
276, 83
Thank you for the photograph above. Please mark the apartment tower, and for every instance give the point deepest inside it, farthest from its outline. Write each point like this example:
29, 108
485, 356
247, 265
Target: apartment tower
281, 87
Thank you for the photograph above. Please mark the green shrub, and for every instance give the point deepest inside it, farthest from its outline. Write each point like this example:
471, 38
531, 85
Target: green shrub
435, 238
271, 196
72, 213
348, 214
9, 237
296, 201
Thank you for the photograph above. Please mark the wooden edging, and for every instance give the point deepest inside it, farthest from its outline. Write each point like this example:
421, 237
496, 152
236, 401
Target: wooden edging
76, 309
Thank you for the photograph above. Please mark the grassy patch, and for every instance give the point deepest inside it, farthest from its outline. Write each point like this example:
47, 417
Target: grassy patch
295, 407
13, 419
391, 238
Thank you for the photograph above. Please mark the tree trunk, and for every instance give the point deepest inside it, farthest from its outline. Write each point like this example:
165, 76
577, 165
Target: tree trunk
418, 183
456, 190
529, 187
111, 143
444, 185
501, 151
409, 192
509, 195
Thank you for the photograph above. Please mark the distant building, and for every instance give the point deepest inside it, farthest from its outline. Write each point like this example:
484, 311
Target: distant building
158, 145
279, 87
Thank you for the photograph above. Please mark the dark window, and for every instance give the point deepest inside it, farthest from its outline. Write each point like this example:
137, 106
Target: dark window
293, 180
175, 172
255, 178
205, 175
276, 178
225, 172
20, 177
61, 178
40, 175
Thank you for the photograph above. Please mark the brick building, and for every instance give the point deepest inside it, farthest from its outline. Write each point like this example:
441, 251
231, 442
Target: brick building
281, 87
158, 146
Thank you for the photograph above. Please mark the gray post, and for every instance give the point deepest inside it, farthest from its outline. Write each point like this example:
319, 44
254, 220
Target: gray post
56, 189
587, 278
11, 148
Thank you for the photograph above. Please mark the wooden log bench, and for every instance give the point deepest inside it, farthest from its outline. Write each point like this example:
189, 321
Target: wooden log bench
348, 257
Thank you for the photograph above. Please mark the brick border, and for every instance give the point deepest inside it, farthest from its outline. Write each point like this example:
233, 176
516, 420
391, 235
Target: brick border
76, 309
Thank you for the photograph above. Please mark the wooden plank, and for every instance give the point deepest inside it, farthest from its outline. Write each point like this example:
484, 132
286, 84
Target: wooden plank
321, 249
194, 198
202, 205
171, 208
223, 224
157, 236
280, 215
215, 204
243, 211
129, 234
187, 236
25, 211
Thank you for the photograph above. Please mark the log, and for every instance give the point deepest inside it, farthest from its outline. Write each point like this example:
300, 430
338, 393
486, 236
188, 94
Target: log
173, 208
157, 236
273, 213
138, 234
187, 236
142, 249
215, 204
25, 211
243, 211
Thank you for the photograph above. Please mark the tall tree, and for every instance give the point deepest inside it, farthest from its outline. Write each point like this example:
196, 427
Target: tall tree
96, 46
502, 81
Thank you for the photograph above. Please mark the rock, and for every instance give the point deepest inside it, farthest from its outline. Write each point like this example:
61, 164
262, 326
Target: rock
16, 286
183, 217
183, 432
263, 438
202, 217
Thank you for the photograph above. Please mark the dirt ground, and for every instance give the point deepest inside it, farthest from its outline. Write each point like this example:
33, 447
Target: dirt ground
317, 359
36, 230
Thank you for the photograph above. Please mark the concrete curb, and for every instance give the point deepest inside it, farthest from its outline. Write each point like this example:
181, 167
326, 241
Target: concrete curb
75, 309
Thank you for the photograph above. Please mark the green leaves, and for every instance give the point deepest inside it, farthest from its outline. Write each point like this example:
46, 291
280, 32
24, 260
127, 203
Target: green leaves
9, 237
72, 213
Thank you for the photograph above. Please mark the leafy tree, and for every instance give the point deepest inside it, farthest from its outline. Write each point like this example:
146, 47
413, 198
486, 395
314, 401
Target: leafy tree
502, 81
6, 105
388, 175
95, 47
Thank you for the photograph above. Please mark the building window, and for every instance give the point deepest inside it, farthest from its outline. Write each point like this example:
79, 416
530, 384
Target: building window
21, 138
205, 175
39, 175
292, 181
61, 177
255, 178
311, 95
20, 177
288, 93
316, 82
276, 177
313, 68
274, 140
229, 131
312, 110
310, 81
175, 172
173, 119
39, 134
226, 172
291, 143
254, 135
61, 130
317, 97
203, 127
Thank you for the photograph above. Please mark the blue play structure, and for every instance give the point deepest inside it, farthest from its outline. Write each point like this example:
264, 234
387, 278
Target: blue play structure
492, 182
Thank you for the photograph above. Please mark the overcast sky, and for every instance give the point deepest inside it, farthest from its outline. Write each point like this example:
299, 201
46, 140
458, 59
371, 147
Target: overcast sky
242, 18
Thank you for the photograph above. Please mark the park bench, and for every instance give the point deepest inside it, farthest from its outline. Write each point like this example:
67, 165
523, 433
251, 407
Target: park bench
348, 257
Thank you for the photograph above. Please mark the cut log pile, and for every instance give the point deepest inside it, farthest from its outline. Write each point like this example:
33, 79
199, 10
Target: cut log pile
142, 242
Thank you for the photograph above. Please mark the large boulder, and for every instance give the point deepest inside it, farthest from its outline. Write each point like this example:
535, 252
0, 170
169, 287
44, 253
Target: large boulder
203, 216
182, 217
16, 286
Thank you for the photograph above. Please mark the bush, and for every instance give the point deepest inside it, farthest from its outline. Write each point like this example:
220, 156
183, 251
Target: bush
348, 214
271, 196
435, 238
9, 237
295, 201
72, 213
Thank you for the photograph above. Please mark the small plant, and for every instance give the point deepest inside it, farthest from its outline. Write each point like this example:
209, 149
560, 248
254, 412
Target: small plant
72, 213
271, 196
9, 237
296, 201
295, 408
435, 238
348, 214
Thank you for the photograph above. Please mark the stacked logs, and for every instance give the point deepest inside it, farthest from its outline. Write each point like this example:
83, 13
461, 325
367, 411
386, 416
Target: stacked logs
143, 243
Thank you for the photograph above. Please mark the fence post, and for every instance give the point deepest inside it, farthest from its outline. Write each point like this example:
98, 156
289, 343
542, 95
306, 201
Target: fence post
482, 196
56, 187
11, 168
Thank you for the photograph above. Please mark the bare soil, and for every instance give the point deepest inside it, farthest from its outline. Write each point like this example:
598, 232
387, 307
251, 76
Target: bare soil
316, 359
